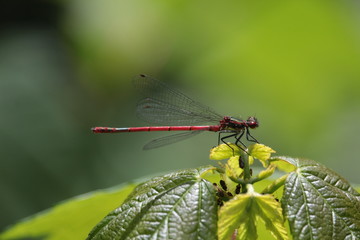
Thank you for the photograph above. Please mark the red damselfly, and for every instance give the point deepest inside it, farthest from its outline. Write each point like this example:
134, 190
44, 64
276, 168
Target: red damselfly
165, 105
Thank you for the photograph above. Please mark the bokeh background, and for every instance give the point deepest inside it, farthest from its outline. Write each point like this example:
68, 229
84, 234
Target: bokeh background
67, 66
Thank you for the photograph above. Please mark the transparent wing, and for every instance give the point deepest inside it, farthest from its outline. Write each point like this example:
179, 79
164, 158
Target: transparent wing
159, 142
165, 105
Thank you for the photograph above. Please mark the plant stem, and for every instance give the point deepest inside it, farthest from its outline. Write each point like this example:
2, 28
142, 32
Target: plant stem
247, 175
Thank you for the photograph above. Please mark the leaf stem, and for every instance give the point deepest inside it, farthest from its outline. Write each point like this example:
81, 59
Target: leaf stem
275, 185
238, 180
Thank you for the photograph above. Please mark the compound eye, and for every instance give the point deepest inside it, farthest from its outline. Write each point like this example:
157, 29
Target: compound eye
252, 122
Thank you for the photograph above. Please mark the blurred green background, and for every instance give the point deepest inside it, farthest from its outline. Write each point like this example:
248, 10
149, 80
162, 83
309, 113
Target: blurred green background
67, 66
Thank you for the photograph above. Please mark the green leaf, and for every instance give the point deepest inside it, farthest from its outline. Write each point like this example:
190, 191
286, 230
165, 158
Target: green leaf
266, 173
245, 210
211, 174
320, 204
223, 151
232, 167
285, 164
180, 205
261, 152
72, 219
